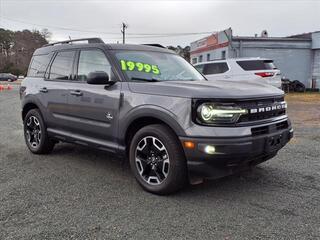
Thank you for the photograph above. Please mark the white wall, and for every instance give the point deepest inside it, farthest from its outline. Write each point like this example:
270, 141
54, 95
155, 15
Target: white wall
214, 54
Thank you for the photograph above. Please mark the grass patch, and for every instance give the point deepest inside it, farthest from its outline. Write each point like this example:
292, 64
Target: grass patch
303, 97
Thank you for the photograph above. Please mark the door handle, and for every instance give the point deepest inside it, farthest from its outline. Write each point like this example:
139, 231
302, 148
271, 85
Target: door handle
43, 90
76, 93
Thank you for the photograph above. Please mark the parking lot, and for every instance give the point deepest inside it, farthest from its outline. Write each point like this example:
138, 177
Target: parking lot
80, 193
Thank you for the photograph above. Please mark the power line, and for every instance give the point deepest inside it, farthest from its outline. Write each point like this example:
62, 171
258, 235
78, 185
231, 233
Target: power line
130, 35
56, 27
170, 34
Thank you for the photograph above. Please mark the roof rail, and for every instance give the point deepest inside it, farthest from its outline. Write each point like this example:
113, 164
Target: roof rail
90, 40
154, 45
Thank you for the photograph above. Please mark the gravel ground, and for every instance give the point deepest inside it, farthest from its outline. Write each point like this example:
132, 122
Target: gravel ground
80, 193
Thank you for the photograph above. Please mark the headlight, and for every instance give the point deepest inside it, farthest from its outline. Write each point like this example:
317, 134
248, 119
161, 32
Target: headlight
212, 113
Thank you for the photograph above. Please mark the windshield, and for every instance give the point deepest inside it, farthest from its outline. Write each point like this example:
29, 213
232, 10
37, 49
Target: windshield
156, 66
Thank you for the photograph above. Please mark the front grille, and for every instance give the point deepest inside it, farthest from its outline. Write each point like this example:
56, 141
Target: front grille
260, 131
261, 116
282, 125
261, 104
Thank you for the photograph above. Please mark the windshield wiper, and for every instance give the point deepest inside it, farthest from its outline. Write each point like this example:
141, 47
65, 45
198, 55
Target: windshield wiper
145, 79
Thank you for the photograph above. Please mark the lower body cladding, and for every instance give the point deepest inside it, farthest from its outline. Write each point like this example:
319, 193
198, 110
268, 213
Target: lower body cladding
217, 157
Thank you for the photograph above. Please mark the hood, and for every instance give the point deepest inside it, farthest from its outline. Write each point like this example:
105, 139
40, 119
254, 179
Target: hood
206, 89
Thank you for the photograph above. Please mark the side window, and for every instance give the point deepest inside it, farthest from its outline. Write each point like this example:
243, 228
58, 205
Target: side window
216, 68
61, 67
200, 68
194, 60
92, 61
38, 65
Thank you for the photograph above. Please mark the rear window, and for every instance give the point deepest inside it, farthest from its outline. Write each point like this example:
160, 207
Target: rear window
215, 68
257, 65
39, 64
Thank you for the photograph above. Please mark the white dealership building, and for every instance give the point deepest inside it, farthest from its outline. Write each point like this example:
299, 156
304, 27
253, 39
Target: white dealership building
297, 56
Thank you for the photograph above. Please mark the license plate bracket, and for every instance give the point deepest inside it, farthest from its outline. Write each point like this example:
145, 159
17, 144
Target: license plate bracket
274, 143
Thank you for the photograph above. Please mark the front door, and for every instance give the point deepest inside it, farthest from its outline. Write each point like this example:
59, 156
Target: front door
93, 109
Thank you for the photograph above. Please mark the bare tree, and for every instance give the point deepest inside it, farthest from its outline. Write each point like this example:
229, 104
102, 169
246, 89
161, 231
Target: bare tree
17, 49
46, 34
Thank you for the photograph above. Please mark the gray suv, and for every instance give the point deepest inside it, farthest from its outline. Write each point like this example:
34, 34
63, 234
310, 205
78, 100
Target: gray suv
148, 104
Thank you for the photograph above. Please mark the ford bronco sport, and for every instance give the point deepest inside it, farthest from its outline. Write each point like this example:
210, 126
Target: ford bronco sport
150, 105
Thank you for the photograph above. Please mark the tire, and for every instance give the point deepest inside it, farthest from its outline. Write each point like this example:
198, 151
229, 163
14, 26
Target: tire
35, 133
166, 171
298, 86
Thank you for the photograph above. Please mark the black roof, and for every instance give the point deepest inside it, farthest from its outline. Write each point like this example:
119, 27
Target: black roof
68, 45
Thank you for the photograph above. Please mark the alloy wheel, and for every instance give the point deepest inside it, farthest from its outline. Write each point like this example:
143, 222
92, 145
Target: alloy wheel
33, 131
152, 160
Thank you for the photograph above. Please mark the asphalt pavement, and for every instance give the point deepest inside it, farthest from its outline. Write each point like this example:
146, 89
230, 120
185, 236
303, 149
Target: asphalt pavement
81, 193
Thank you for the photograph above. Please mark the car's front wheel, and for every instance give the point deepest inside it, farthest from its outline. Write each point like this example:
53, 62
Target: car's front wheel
35, 133
157, 160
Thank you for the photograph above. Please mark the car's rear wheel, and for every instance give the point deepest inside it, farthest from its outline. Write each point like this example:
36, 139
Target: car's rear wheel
157, 160
35, 133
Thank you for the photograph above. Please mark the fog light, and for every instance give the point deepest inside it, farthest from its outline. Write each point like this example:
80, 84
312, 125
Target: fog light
209, 149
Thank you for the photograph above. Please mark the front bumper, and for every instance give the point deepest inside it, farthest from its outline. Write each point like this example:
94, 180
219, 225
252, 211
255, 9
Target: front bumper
233, 154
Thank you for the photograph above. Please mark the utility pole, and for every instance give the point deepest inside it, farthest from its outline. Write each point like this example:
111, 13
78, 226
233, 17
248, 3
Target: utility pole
123, 31
0, 12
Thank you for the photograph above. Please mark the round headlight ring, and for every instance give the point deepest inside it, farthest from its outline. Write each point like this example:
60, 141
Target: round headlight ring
206, 112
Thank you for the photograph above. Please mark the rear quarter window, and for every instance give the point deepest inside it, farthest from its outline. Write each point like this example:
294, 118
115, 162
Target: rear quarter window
39, 64
252, 65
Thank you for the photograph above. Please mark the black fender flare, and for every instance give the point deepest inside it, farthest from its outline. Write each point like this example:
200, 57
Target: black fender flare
151, 111
30, 100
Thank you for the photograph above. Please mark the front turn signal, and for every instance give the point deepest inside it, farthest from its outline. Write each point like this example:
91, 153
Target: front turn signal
189, 144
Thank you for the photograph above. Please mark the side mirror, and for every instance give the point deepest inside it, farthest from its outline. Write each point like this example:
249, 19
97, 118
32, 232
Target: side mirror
98, 78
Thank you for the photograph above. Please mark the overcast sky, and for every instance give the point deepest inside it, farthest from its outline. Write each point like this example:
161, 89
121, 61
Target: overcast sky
103, 19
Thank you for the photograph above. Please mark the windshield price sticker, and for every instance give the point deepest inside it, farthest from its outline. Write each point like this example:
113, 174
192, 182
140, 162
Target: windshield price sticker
139, 66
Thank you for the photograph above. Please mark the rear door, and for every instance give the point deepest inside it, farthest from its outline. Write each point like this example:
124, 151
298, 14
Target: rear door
217, 71
54, 90
93, 109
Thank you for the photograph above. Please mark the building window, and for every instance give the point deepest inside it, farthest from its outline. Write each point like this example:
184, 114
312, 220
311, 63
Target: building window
194, 60
223, 55
208, 57
200, 58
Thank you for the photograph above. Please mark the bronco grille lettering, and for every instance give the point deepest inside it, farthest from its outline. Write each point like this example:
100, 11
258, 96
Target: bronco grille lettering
279, 106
